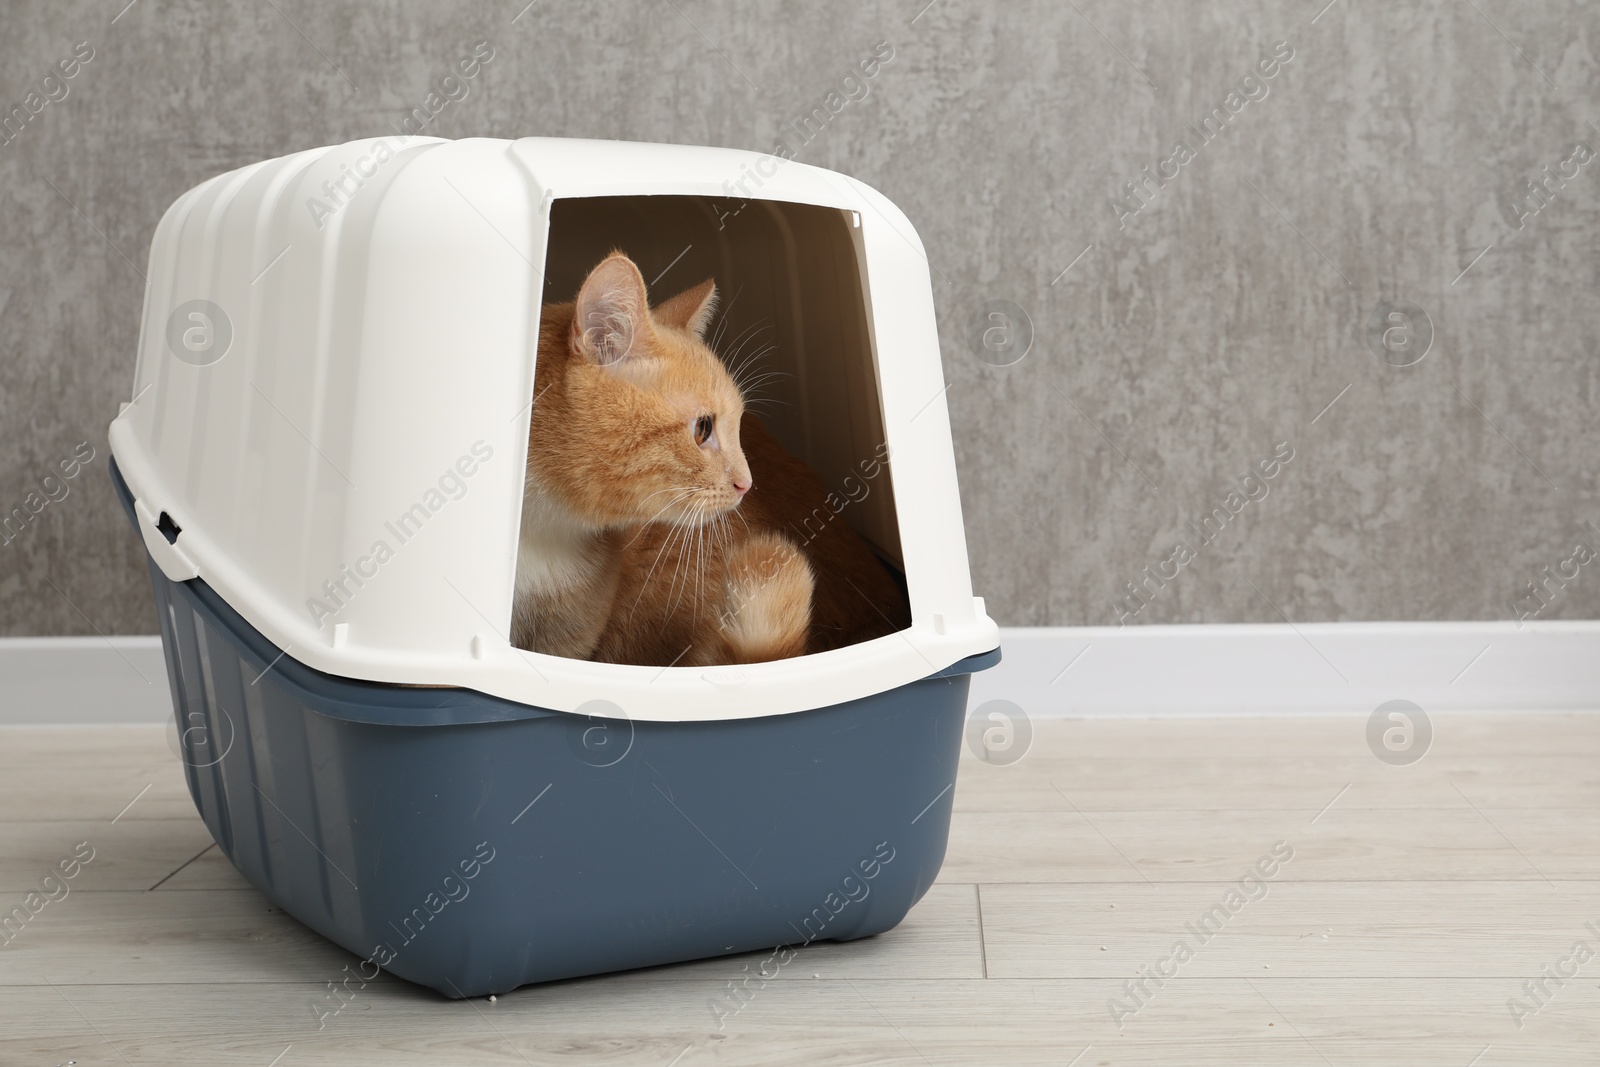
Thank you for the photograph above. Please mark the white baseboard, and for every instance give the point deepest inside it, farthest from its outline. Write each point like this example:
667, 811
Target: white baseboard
83, 680
1050, 672
1313, 668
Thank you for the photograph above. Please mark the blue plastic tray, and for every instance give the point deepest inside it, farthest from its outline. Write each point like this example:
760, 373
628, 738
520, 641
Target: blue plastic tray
473, 844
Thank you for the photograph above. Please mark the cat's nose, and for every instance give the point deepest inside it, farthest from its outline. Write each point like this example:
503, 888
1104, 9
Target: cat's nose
741, 487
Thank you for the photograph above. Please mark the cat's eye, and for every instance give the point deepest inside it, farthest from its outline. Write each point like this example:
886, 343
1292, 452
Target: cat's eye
703, 427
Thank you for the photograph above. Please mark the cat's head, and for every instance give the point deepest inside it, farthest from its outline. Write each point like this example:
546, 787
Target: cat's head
642, 419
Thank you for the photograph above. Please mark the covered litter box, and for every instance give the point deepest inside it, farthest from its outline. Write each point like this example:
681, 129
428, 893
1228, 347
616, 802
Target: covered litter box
324, 454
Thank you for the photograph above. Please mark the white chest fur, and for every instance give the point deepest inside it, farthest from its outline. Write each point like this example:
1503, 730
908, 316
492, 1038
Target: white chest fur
555, 554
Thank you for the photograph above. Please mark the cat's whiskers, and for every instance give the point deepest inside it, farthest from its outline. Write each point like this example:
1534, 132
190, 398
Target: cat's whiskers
750, 379
738, 361
716, 542
685, 532
720, 540
746, 359
670, 489
699, 571
699, 565
748, 388
757, 380
742, 367
744, 336
675, 527
706, 545
680, 530
723, 534
672, 527
684, 492
681, 559
722, 319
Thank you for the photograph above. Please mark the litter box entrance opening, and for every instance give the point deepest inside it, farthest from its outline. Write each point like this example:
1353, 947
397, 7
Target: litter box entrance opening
793, 303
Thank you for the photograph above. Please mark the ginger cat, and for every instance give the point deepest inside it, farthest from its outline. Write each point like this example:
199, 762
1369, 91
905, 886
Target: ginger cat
660, 522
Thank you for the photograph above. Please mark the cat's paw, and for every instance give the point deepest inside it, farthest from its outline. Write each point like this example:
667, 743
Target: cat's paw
767, 587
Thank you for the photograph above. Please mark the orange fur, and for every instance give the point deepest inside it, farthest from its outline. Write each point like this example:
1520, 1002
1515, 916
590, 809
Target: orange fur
639, 545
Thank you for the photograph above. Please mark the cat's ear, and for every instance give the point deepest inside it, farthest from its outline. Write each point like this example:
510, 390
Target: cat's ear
610, 311
691, 309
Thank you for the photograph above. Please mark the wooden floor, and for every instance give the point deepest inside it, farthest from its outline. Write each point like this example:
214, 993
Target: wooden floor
1417, 903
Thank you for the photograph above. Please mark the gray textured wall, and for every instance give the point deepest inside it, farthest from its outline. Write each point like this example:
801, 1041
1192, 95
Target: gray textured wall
1187, 341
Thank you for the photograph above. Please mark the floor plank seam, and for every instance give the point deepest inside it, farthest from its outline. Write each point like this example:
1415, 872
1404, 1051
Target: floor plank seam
983, 947
186, 863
